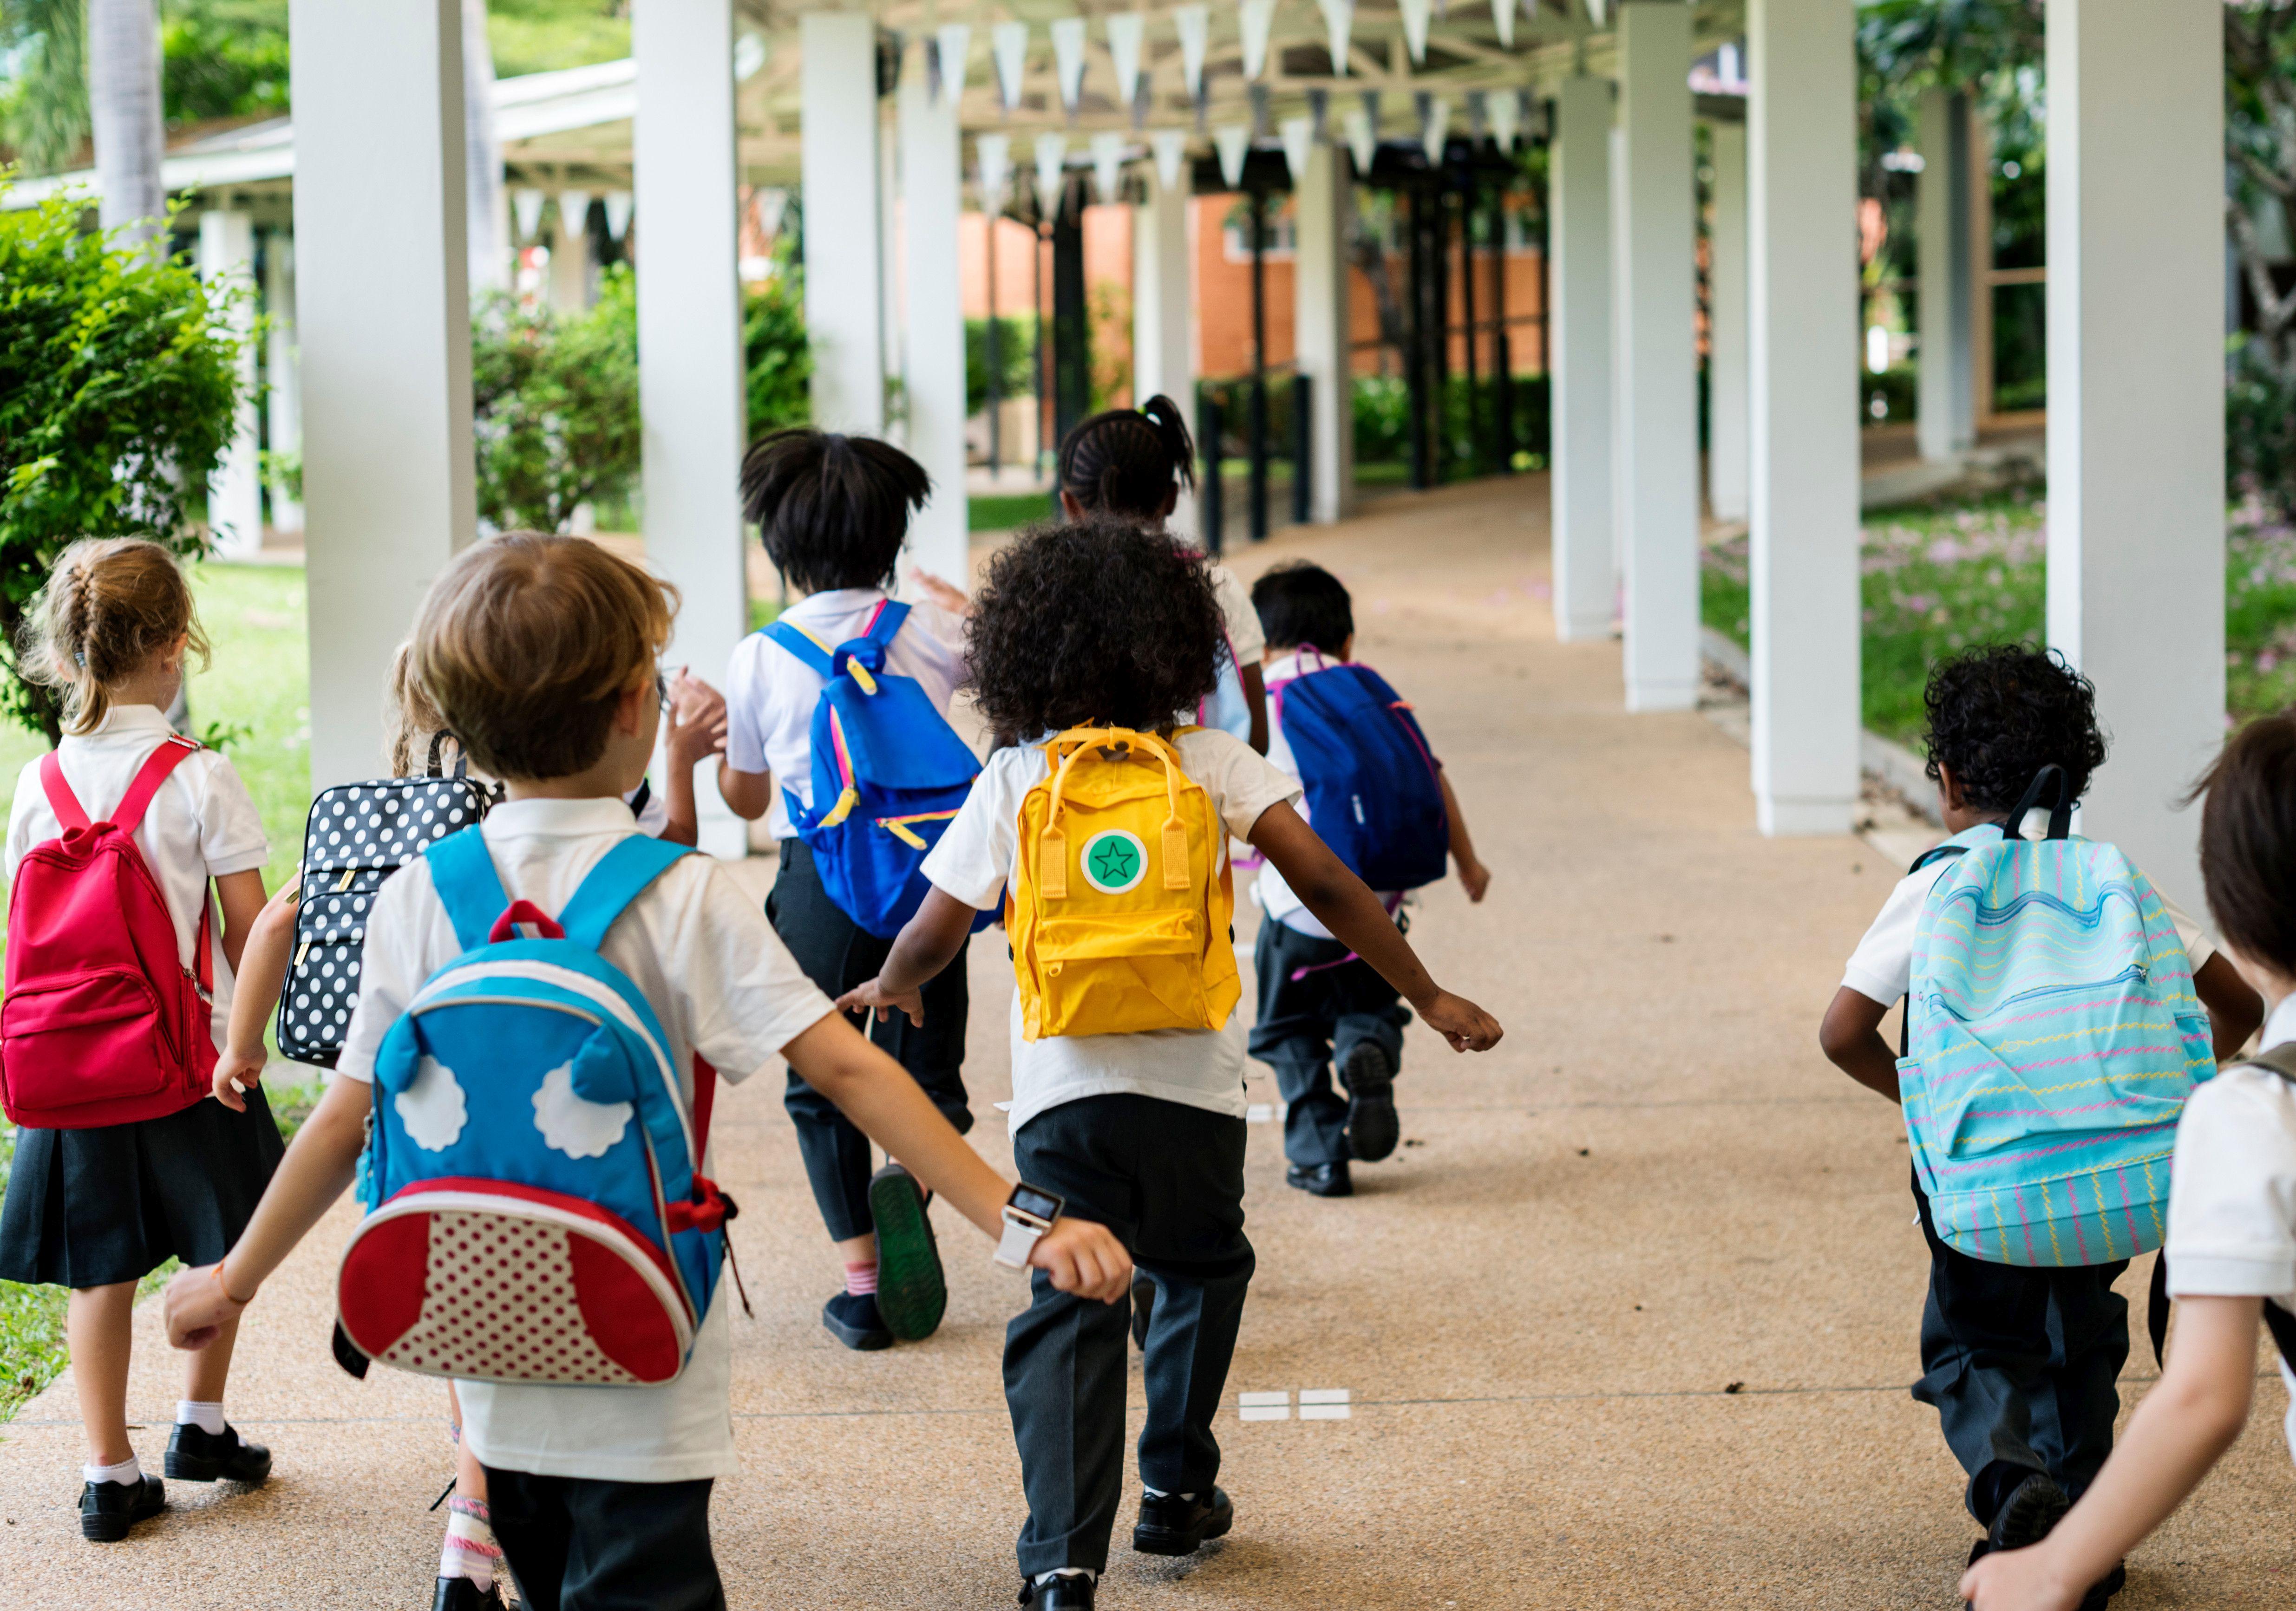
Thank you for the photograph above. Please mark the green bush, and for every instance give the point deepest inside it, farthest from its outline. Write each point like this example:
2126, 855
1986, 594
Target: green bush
554, 405
779, 361
1016, 360
1894, 390
1383, 420
119, 387
2261, 429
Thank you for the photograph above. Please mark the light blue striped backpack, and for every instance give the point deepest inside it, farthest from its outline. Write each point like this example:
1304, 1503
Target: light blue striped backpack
2055, 1036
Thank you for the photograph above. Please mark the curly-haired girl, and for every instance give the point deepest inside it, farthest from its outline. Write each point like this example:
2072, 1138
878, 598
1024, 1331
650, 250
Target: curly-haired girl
1102, 623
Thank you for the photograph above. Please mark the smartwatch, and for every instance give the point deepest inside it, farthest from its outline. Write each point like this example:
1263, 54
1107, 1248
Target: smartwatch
1029, 1212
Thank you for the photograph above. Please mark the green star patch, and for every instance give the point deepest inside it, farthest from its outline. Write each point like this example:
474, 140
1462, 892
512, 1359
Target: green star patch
1114, 861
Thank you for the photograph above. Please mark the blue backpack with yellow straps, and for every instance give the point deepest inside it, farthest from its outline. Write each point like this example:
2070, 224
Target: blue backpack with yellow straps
889, 773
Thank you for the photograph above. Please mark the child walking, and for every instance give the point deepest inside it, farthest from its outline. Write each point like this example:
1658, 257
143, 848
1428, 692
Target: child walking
1104, 625
95, 1206
833, 512
1320, 1003
2021, 1360
2232, 1208
539, 652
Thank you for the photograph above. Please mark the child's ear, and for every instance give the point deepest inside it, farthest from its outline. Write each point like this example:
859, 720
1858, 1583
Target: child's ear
1948, 788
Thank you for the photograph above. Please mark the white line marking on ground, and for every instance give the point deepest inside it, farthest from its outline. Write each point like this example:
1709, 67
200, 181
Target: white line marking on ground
1323, 1405
1264, 1406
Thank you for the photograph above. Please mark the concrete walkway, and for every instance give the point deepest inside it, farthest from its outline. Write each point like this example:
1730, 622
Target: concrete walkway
1627, 1322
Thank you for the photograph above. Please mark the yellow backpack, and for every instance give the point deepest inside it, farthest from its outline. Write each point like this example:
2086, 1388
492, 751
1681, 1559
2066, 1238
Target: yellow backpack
1120, 916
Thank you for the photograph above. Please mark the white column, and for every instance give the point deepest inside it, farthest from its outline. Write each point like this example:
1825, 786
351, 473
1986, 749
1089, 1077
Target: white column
844, 256
932, 199
1163, 332
235, 490
283, 372
1946, 411
1324, 203
1801, 148
690, 372
386, 461
1585, 576
1658, 514
2137, 403
1726, 463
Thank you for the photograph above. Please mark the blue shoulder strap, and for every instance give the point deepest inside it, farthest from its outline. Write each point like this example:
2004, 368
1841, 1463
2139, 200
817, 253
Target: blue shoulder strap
888, 622
613, 884
801, 644
464, 874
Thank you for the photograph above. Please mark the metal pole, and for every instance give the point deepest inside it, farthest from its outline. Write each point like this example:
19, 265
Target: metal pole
1414, 334
1475, 442
1501, 349
1258, 401
996, 355
1210, 428
1302, 447
1044, 353
1439, 327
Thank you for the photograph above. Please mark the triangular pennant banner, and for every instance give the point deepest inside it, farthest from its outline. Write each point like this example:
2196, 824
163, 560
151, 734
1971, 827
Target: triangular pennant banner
1257, 17
1415, 28
1196, 25
1299, 135
994, 155
1052, 151
1068, 58
1010, 43
1598, 12
574, 211
1437, 124
954, 41
1504, 108
1339, 23
1108, 165
619, 203
526, 207
1171, 148
1363, 140
1234, 142
1125, 30
771, 207
1503, 15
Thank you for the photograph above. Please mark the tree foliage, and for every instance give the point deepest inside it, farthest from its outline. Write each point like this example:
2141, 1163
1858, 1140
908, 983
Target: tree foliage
779, 361
2260, 143
223, 59
44, 102
555, 401
119, 387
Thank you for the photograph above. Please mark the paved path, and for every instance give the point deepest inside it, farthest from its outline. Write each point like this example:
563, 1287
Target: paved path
1627, 1323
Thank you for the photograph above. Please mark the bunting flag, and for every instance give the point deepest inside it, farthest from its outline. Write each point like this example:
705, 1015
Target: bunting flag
1196, 25
526, 207
1052, 151
574, 212
1415, 28
1068, 58
1503, 14
1436, 123
1125, 32
994, 155
1258, 18
1504, 108
1339, 23
1363, 140
1234, 142
1598, 12
1171, 148
1107, 166
1010, 43
770, 206
619, 203
1299, 135
955, 42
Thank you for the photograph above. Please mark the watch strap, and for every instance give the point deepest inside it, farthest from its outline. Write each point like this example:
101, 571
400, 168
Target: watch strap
1014, 1248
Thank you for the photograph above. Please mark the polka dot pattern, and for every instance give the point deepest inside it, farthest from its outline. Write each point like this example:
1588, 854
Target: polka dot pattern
358, 835
499, 1305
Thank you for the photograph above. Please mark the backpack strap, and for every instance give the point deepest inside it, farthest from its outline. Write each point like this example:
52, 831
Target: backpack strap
128, 814
463, 872
885, 623
61, 800
619, 878
2047, 789
815, 655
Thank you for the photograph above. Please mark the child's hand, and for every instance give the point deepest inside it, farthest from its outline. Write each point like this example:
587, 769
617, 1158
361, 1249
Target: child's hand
1458, 1020
2019, 1580
697, 722
236, 1072
1084, 1258
947, 596
870, 996
197, 1307
1474, 877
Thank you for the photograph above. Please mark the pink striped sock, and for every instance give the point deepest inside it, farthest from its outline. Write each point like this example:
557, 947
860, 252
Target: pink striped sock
861, 1279
470, 1549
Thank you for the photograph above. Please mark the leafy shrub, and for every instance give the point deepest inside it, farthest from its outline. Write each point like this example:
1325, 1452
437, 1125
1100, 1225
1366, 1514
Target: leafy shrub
554, 401
1383, 420
779, 361
1016, 355
118, 387
2260, 429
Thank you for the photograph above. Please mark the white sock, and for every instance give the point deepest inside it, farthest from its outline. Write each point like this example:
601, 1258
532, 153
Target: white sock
128, 1471
207, 1418
1045, 1577
470, 1550
1159, 1493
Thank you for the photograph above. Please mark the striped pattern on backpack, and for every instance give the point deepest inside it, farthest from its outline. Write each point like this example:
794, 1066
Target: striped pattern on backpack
2055, 1035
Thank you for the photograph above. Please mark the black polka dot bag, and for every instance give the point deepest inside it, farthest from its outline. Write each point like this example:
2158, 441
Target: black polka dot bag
358, 836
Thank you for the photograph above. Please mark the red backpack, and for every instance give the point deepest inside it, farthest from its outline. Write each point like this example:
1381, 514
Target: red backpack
103, 1024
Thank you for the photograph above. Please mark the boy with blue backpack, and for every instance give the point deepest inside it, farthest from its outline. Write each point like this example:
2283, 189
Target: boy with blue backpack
842, 702
2059, 1012
1376, 794
543, 998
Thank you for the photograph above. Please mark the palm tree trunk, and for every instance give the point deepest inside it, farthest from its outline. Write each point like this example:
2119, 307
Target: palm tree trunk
123, 94
484, 208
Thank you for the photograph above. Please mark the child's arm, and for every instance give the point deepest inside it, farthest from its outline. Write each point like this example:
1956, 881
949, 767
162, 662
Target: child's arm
256, 984
1342, 904
2184, 1424
928, 942
697, 731
1851, 1038
947, 595
2235, 1012
1474, 877
892, 1109
318, 1166
1255, 697
241, 897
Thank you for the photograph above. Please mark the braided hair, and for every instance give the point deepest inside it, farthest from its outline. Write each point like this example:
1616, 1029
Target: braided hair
1125, 461
108, 606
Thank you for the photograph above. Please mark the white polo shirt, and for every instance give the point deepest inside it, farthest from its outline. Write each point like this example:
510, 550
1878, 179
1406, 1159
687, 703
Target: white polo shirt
770, 693
201, 825
722, 985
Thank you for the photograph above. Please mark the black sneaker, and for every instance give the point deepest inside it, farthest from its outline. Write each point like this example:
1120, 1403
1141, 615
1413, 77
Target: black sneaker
460, 1594
1069, 1592
2033, 1507
1144, 1303
912, 1292
1369, 1077
195, 1455
1173, 1525
852, 1318
107, 1510
1321, 1180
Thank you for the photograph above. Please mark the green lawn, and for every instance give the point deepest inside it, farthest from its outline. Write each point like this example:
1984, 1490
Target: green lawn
1004, 511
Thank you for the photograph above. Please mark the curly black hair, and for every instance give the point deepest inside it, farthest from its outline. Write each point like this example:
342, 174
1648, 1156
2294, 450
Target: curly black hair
2000, 712
1097, 622
1128, 461
832, 510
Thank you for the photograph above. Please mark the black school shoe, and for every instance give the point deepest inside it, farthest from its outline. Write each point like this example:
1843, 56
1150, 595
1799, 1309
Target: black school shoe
2032, 1509
1369, 1077
195, 1455
852, 1318
1173, 1525
912, 1292
1067, 1592
1321, 1180
107, 1510
460, 1594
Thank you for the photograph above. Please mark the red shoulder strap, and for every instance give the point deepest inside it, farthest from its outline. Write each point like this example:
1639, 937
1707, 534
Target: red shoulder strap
61, 800
129, 813
705, 1097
